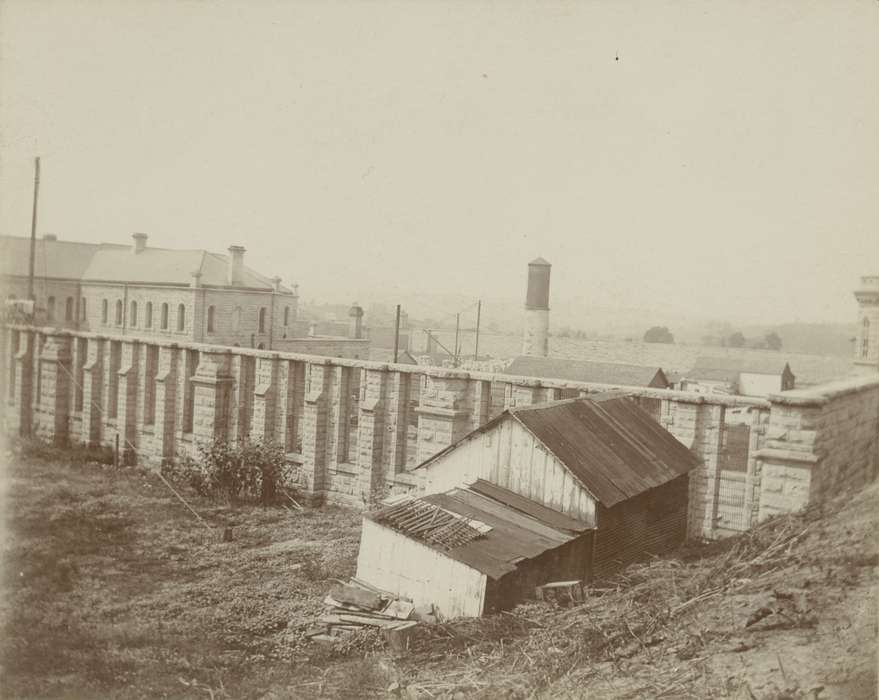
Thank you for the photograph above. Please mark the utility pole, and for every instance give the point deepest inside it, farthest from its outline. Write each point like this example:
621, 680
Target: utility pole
457, 331
396, 333
30, 274
478, 316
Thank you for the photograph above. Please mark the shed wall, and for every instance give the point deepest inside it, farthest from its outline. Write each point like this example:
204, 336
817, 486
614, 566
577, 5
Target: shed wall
405, 567
759, 384
650, 523
510, 456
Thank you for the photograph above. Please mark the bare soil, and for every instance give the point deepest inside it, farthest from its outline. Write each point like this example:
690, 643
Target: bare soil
112, 589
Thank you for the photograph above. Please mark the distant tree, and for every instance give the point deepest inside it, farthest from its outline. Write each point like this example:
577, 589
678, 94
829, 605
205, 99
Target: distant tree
736, 340
658, 334
773, 341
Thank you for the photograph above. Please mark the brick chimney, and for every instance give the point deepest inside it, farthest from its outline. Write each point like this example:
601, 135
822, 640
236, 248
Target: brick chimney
140, 240
355, 325
236, 265
276, 285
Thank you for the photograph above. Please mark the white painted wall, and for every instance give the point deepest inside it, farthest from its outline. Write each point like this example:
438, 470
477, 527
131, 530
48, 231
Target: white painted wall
403, 566
759, 384
510, 456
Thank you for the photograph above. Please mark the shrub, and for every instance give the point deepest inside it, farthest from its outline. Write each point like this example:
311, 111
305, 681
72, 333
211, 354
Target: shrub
247, 471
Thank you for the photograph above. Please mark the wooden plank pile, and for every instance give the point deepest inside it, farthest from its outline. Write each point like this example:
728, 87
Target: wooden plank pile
356, 605
563, 592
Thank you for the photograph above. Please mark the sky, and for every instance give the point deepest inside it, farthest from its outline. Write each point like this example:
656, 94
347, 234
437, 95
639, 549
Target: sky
716, 159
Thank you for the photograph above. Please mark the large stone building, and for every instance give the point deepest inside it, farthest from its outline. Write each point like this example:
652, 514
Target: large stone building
137, 290
867, 340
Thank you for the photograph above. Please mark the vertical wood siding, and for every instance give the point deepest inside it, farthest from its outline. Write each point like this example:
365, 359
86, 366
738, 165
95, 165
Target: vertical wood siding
509, 456
396, 563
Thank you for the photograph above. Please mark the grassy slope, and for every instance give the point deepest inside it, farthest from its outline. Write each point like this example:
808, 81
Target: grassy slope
112, 589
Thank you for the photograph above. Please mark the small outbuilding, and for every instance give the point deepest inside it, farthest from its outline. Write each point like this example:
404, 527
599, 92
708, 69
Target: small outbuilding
747, 376
571, 489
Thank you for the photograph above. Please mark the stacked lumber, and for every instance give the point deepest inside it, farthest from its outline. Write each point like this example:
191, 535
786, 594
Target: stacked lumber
356, 605
563, 592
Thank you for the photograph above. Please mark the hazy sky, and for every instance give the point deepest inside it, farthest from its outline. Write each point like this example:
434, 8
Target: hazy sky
714, 158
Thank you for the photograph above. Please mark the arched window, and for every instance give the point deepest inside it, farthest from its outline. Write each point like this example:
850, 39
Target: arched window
148, 315
210, 319
262, 320
286, 315
865, 337
236, 319
68, 309
133, 314
50, 308
164, 317
104, 312
119, 311
82, 309
181, 317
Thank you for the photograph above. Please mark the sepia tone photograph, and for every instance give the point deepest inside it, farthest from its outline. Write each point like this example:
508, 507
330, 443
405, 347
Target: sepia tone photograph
439, 350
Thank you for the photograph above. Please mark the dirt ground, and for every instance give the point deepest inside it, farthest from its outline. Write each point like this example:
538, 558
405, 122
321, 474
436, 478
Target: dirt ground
111, 588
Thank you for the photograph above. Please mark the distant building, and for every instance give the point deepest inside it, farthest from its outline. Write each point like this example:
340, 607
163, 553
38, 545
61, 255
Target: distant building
138, 290
536, 334
566, 490
746, 376
585, 371
867, 340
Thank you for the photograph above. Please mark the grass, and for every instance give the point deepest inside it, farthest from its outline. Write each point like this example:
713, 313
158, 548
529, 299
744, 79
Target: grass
112, 589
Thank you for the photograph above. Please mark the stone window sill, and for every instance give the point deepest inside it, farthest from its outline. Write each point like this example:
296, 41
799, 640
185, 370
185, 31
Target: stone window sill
295, 458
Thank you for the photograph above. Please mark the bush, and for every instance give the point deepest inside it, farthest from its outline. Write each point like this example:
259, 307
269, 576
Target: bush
247, 471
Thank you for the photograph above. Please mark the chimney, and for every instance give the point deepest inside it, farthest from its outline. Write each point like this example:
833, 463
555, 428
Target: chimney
50, 237
536, 337
140, 240
236, 265
196, 279
355, 324
276, 285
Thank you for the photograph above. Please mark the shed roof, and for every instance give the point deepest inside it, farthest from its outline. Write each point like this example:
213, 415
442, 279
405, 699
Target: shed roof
614, 448
585, 371
514, 534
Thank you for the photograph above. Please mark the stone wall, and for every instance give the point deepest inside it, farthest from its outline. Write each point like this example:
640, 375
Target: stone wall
357, 428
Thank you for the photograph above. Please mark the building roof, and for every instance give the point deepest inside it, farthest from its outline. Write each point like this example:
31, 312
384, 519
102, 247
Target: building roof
613, 447
585, 371
730, 367
404, 357
492, 535
52, 258
110, 262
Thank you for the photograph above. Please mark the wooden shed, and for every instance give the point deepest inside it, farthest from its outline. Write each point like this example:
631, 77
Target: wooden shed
601, 460
471, 549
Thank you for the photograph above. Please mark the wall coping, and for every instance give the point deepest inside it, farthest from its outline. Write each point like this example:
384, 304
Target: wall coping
824, 393
426, 370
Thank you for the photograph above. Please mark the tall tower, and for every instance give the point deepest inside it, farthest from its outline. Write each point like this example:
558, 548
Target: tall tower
536, 337
867, 340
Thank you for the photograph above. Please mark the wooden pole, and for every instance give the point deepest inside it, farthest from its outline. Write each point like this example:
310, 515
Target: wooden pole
457, 331
30, 274
397, 333
478, 317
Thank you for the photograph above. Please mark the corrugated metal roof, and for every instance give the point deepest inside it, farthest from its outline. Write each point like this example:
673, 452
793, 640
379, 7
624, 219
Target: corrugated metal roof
613, 447
585, 371
527, 506
514, 535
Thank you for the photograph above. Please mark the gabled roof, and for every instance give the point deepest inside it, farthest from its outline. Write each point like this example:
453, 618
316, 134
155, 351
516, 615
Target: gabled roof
585, 371
515, 533
52, 258
730, 367
110, 262
614, 448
